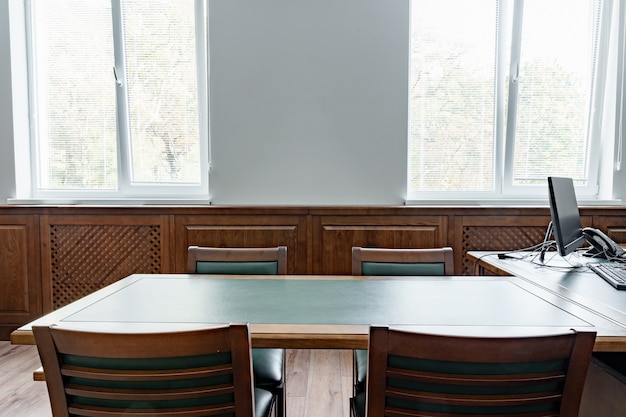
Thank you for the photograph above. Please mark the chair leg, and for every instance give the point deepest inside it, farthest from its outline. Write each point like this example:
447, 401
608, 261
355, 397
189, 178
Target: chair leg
281, 391
353, 374
281, 401
359, 373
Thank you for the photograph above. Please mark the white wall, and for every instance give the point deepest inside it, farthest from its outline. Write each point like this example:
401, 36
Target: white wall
619, 177
308, 101
7, 166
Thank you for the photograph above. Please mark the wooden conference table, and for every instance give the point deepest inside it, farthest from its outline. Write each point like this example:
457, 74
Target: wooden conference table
330, 312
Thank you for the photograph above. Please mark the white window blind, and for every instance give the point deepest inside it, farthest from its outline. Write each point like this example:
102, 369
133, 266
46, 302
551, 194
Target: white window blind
502, 95
452, 95
557, 63
73, 96
119, 98
161, 76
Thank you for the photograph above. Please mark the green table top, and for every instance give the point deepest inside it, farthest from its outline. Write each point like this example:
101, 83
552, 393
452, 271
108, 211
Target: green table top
423, 301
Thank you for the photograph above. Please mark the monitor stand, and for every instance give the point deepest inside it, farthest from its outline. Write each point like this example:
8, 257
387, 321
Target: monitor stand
544, 246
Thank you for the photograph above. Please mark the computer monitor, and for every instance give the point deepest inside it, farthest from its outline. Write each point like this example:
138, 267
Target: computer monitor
566, 225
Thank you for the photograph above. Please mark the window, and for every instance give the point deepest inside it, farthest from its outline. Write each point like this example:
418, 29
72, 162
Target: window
502, 95
118, 98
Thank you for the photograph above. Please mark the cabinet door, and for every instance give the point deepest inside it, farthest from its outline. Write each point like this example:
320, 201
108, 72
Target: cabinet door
334, 237
246, 230
20, 283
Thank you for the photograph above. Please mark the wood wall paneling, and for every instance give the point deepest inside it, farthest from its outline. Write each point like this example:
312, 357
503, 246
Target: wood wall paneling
53, 255
614, 227
334, 237
14, 268
498, 233
82, 253
20, 285
244, 231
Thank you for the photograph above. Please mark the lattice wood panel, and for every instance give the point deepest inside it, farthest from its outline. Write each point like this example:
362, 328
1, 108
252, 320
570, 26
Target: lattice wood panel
85, 258
498, 238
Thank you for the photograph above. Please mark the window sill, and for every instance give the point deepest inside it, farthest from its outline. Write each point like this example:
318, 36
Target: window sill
109, 202
506, 202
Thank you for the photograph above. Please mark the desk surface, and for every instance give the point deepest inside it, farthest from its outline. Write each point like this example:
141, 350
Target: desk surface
329, 311
568, 277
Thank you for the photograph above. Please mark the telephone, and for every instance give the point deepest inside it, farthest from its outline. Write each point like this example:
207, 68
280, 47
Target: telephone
602, 245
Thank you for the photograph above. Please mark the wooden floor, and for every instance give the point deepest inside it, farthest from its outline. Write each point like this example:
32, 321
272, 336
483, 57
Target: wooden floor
319, 383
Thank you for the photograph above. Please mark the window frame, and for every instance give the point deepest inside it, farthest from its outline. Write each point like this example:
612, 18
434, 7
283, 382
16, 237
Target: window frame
128, 190
507, 63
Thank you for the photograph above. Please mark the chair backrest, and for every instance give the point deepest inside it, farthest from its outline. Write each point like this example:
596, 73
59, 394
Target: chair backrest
378, 261
239, 261
414, 374
194, 373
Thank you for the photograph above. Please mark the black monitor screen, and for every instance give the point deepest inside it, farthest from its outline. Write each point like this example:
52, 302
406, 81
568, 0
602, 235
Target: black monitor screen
566, 225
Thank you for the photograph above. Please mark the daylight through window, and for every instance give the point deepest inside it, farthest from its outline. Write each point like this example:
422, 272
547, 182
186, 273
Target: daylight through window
500, 95
117, 88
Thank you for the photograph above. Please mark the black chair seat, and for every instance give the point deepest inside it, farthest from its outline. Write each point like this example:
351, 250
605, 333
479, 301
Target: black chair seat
263, 401
268, 366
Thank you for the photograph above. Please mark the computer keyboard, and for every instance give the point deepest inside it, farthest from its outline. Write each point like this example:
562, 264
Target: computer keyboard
613, 273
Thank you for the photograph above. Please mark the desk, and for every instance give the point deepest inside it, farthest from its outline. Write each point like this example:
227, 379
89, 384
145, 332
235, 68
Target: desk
330, 311
557, 275
605, 389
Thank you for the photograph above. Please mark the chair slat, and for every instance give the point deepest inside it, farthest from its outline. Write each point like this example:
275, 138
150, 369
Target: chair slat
392, 412
147, 395
89, 411
147, 374
474, 400
464, 379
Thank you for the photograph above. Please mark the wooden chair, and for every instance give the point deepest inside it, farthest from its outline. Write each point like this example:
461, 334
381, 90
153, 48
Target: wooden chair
379, 261
416, 374
268, 364
238, 261
187, 373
